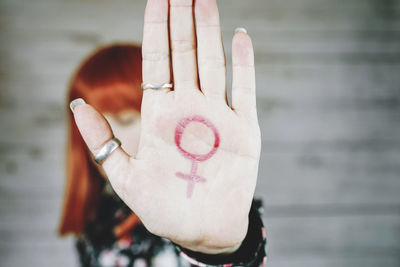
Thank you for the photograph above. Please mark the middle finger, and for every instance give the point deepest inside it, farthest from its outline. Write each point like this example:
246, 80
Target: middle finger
183, 46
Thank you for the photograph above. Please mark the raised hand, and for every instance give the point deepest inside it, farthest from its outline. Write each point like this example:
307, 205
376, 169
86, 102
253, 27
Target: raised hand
193, 177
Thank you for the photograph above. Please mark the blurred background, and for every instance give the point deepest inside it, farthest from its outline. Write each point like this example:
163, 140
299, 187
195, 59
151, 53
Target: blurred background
328, 76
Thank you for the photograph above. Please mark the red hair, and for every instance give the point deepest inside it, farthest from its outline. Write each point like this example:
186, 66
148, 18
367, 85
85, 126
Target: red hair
109, 80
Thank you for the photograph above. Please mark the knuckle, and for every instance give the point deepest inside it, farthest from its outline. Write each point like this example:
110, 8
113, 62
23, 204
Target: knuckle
183, 46
155, 55
242, 90
212, 63
181, 3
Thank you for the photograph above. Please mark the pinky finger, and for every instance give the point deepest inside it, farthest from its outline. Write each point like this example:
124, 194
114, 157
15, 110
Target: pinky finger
243, 80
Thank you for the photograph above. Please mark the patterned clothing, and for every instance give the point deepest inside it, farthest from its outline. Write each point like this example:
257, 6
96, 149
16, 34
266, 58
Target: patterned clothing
98, 247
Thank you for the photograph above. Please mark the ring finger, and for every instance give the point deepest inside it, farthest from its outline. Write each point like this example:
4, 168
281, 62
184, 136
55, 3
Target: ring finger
155, 47
211, 56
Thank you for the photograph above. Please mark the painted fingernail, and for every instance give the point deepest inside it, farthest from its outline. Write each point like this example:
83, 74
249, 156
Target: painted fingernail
240, 29
76, 102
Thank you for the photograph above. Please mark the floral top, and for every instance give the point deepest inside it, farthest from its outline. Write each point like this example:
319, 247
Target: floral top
98, 247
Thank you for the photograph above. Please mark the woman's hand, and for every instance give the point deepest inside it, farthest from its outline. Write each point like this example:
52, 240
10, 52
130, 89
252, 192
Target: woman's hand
193, 177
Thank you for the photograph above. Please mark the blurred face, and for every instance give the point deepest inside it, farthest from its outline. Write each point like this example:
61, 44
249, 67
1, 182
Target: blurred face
126, 127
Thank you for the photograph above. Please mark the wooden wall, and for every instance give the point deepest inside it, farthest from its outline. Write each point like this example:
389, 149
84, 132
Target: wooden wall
328, 75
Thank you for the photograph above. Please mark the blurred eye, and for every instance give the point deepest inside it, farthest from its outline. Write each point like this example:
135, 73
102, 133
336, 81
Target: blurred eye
124, 118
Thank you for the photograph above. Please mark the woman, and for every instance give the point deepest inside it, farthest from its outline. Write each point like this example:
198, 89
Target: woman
189, 171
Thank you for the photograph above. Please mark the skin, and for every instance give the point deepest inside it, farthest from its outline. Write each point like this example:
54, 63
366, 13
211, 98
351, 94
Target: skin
126, 125
193, 178
215, 218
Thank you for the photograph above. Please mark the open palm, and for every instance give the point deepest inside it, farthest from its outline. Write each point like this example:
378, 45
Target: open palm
193, 177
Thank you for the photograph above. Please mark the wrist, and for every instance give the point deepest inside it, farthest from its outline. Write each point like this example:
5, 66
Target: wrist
220, 240
250, 252
204, 249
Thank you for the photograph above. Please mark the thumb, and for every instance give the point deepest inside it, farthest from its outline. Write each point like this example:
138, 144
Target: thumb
96, 132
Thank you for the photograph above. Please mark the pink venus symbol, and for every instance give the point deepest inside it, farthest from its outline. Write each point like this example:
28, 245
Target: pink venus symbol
192, 177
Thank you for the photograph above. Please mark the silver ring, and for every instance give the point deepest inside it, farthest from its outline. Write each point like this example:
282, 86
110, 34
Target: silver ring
106, 150
156, 87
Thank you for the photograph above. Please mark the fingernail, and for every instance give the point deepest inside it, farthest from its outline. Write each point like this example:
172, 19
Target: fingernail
240, 29
76, 102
